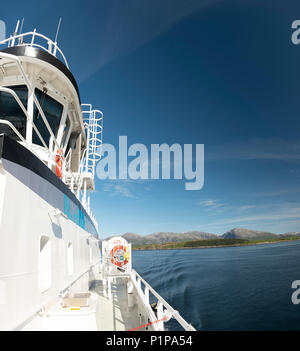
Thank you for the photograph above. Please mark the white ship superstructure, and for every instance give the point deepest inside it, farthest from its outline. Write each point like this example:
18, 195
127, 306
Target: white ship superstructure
52, 273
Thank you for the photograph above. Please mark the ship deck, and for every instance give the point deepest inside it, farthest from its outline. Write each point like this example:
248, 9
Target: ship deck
113, 313
105, 312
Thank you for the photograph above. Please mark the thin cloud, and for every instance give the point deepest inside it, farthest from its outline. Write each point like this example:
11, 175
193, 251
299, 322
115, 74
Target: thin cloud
126, 187
277, 215
254, 149
276, 193
292, 213
118, 189
211, 204
247, 207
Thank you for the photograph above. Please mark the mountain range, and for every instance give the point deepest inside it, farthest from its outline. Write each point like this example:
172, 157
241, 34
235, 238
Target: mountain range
235, 233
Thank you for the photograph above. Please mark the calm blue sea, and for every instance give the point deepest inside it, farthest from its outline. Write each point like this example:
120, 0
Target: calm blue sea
233, 288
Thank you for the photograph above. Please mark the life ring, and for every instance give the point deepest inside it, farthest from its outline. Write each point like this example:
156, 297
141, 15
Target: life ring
59, 163
119, 255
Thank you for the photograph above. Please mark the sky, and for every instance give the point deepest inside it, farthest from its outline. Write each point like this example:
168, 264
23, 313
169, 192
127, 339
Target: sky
220, 73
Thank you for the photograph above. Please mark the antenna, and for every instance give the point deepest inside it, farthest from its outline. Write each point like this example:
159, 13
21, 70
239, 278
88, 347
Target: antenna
57, 30
15, 33
22, 25
21, 38
17, 26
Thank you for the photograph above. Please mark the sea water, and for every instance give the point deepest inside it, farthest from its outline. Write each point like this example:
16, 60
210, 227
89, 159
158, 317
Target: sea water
229, 288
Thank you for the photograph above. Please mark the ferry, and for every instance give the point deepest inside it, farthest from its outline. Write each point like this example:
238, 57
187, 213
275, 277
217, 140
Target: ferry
55, 272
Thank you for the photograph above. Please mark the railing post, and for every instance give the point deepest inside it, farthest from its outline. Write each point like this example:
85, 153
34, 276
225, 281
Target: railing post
29, 127
50, 46
146, 296
87, 149
33, 36
84, 193
160, 315
20, 40
139, 285
55, 49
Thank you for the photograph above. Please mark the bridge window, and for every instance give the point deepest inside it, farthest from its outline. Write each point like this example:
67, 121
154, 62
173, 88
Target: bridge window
52, 110
12, 112
66, 132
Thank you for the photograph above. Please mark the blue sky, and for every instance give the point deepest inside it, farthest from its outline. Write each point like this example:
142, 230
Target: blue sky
220, 73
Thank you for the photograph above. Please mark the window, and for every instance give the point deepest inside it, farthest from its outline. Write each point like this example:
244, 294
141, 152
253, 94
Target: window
44, 272
12, 112
72, 141
52, 110
70, 259
65, 132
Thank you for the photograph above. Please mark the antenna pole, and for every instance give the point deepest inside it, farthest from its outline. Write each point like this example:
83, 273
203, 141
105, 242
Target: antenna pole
57, 31
22, 25
15, 33
17, 26
21, 38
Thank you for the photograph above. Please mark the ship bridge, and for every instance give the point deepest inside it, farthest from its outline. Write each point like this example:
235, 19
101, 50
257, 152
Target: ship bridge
41, 109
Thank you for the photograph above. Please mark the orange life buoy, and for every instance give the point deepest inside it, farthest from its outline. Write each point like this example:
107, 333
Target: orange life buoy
119, 255
59, 163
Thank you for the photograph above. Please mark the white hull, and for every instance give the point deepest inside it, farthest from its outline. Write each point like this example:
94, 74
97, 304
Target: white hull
24, 218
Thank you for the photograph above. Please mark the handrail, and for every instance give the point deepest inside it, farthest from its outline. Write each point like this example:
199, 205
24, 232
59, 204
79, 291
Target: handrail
11, 43
3, 121
145, 297
94, 127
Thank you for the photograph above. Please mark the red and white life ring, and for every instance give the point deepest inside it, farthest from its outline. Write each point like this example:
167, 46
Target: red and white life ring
119, 255
59, 163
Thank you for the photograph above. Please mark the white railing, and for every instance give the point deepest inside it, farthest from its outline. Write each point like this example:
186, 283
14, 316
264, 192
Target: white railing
93, 123
34, 39
163, 308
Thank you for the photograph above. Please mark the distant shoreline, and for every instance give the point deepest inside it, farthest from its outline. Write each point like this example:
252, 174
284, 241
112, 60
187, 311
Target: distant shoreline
249, 243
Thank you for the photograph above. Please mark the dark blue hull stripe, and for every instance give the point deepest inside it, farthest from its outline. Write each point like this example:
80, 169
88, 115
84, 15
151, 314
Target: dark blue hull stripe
40, 179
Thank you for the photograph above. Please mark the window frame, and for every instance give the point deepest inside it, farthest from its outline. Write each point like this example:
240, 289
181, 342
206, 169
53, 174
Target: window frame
60, 134
12, 87
35, 109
